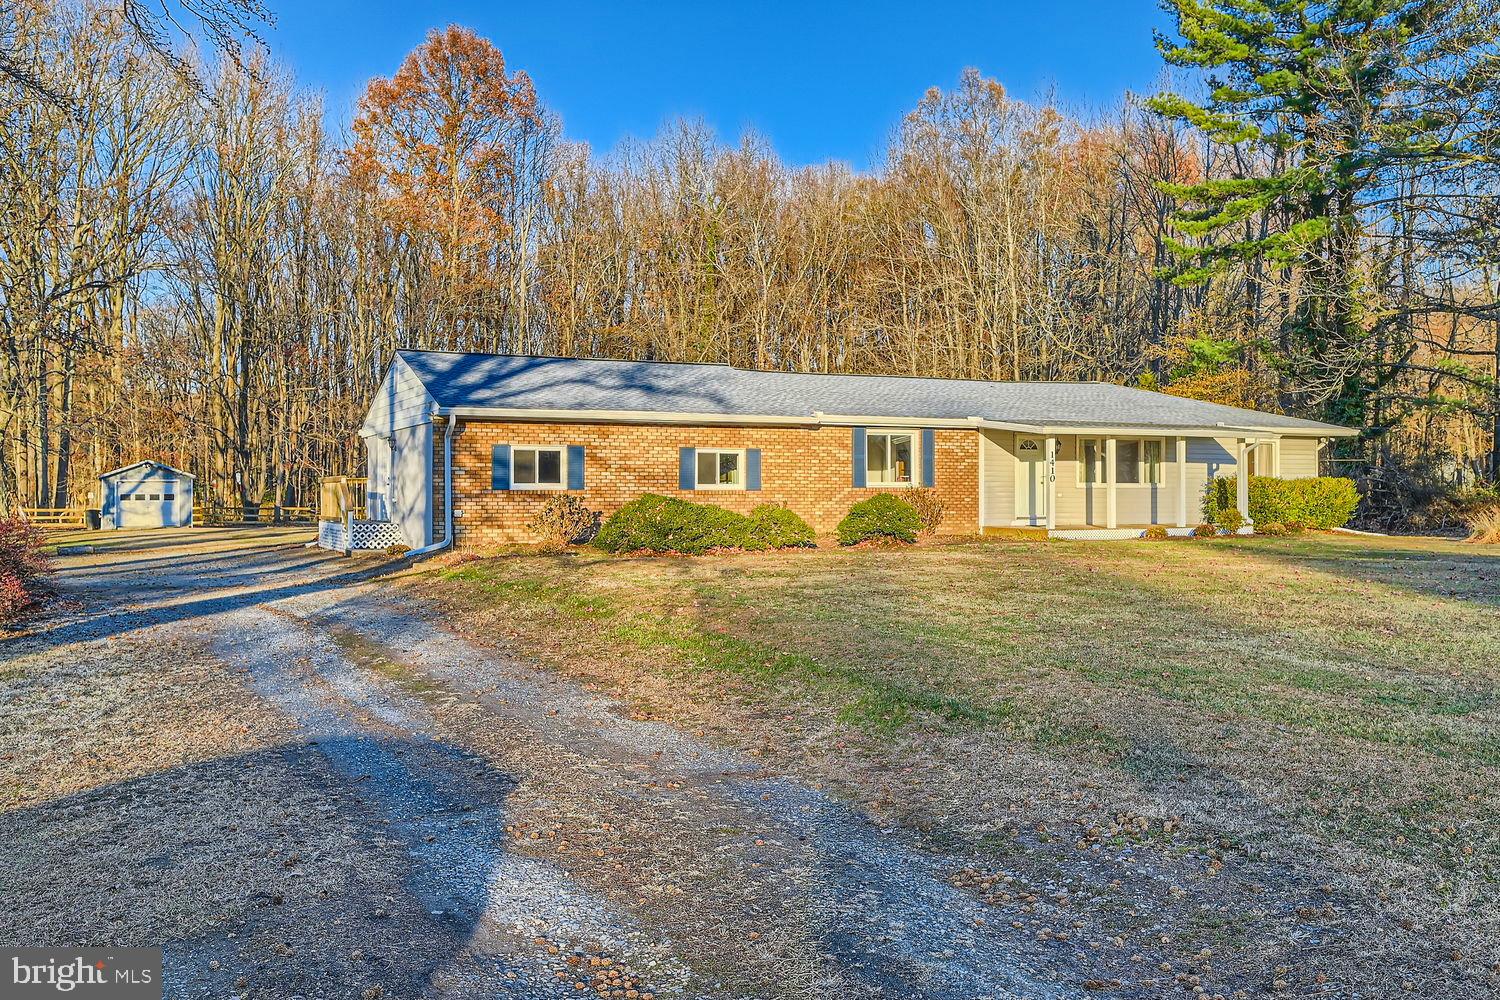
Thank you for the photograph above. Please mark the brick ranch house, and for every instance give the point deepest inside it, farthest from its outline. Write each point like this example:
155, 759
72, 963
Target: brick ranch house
463, 448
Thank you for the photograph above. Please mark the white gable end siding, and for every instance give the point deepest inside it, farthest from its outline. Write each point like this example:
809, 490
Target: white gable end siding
398, 453
400, 401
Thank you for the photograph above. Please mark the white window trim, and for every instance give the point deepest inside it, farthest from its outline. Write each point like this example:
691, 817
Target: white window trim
1103, 452
562, 466
1272, 455
915, 434
744, 469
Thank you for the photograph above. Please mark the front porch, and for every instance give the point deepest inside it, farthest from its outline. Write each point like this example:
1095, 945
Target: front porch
1112, 482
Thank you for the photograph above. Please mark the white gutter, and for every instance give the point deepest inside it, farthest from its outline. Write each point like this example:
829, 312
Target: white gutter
821, 419
447, 494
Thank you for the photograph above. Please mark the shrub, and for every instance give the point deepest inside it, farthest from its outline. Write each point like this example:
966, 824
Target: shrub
1205, 531
883, 516
1295, 527
564, 520
771, 526
1155, 533
665, 524
1318, 502
23, 567
1484, 525
1230, 519
1272, 528
397, 549
927, 504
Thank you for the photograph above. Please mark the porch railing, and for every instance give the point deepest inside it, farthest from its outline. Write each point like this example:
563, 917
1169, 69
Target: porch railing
340, 497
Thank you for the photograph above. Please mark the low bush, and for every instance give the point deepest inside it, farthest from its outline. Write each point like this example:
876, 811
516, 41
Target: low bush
1229, 519
1484, 525
1155, 533
1205, 531
1272, 528
665, 524
772, 526
24, 568
927, 504
397, 549
1317, 502
564, 520
881, 517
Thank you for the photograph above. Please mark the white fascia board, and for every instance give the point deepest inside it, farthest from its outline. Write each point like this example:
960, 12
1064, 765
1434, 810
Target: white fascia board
851, 420
615, 416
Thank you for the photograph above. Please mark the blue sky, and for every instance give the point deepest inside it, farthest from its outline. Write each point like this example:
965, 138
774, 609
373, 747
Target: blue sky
820, 80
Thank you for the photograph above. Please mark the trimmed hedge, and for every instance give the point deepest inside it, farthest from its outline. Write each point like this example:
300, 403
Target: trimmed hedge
882, 516
771, 526
656, 523
1319, 502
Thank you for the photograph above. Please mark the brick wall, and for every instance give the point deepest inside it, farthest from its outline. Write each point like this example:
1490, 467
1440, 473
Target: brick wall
439, 493
807, 469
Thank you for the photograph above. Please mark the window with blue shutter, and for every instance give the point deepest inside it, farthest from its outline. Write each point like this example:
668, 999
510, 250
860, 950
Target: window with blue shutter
752, 468
858, 458
575, 467
929, 457
687, 473
500, 467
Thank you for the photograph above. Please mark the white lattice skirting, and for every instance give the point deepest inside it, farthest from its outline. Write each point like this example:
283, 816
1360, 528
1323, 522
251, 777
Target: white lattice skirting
367, 535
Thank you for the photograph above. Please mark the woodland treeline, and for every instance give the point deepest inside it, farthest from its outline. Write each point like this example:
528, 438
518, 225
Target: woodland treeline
193, 268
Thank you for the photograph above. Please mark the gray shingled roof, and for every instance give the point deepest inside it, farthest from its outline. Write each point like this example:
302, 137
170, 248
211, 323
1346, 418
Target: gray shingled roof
518, 382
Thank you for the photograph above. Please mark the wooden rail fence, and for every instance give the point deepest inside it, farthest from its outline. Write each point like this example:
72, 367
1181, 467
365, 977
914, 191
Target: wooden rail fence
56, 517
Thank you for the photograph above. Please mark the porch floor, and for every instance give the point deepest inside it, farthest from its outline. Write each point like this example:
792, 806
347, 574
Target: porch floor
1078, 532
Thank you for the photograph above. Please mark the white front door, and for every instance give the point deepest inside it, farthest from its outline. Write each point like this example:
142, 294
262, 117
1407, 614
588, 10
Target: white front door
1031, 480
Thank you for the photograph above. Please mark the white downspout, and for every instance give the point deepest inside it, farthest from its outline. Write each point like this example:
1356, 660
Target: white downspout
447, 495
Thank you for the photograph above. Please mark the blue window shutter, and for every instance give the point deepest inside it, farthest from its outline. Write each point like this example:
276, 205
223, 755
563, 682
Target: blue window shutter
500, 467
859, 458
687, 472
752, 468
575, 466
929, 456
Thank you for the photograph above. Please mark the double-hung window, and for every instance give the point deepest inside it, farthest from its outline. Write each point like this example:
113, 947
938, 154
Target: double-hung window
536, 468
888, 458
1137, 462
720, 469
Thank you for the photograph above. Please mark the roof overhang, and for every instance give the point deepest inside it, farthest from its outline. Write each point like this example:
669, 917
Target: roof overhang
820, 419
145, 461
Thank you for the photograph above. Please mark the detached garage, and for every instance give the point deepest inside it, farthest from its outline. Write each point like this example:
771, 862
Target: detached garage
146, 495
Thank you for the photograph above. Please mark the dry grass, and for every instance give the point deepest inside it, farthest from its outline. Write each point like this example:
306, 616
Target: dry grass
1484, 525
1329, 702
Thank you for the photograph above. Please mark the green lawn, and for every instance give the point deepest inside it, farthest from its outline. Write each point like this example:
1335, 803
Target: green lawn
1331, 698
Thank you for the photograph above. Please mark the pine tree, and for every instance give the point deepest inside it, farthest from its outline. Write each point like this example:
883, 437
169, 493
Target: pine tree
1338, 100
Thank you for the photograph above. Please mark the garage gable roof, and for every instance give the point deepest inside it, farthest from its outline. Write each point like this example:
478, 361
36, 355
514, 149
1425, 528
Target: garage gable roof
502, 382
135, 465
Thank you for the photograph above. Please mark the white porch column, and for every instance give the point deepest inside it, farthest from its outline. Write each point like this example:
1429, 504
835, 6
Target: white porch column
1112, 516
1242, 480
1051, 474
1182, 482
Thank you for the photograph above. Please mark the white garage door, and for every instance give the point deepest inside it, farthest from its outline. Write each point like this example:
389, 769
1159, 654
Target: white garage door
147, 504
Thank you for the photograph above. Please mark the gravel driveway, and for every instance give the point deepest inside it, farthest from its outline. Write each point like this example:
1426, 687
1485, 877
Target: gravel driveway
259, 760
